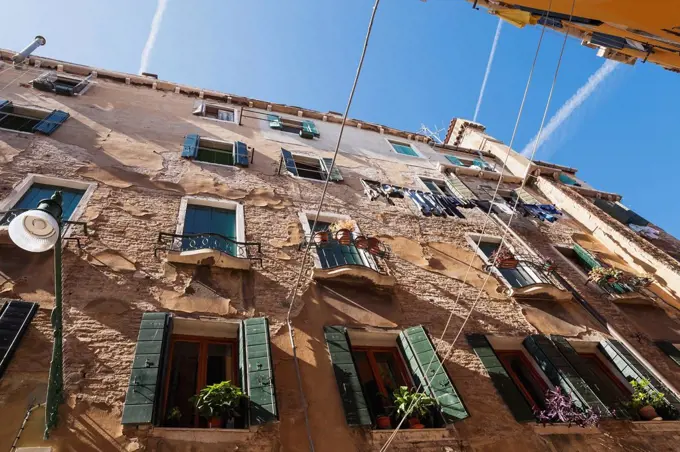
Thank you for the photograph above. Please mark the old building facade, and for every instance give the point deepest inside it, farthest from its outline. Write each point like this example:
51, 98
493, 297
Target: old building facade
191, 212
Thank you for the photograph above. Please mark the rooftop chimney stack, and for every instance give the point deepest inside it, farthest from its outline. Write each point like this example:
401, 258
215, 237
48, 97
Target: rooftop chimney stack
21, 56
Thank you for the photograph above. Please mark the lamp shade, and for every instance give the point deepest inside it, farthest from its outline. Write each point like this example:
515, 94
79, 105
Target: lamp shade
34, 231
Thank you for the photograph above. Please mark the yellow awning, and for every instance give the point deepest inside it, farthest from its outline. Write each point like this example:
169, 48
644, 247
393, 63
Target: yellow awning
516, 17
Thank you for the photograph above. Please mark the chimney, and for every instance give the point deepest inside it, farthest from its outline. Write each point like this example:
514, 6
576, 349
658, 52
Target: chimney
21, 56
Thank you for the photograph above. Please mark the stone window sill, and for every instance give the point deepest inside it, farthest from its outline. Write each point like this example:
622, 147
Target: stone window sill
656, 426
557, 429
412, 435
202, 435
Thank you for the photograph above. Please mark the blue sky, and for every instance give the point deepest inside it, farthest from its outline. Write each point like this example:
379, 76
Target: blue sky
425, 64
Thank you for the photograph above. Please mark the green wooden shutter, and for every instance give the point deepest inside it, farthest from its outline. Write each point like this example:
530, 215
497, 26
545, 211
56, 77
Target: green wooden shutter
15, 316
289, 161
241, 151
585, 256
455, 160
147, 368
308, 130
335, 174
632, 369
669, 349
346, 375
525, 197
260, 371
51, 123
505, 386
275, 122
560, 372
190, 147
602, 387
459, 189
428, 370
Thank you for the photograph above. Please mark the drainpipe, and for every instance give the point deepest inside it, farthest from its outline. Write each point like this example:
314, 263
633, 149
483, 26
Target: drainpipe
21, 56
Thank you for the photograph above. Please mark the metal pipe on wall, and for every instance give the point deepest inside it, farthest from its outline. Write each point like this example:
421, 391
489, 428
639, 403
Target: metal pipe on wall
21, 56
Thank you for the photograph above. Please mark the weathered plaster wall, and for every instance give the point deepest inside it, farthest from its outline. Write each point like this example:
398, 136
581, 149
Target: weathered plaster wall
128, 139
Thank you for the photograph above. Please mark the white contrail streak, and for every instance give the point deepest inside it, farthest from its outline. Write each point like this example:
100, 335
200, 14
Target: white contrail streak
151, 40
488, 68
571, 105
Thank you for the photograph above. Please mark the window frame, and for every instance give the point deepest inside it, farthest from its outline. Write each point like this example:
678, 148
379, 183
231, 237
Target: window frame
222, 165
319, 161
591, 348
205, 105
25, 185
422, 180
392, 142
30, 111
218, 204
370, 351
503, 355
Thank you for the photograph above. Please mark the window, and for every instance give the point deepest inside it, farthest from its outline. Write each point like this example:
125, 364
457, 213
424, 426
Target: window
177, 357
336, 255
215, 111
403, 148
30, 119
212, 224
568, 180
304, 128
217, 152
37, 192
602, 380
521, 276
521, 371
59, 83
471, 162
196, 362
381, 372
310, 167
438, 187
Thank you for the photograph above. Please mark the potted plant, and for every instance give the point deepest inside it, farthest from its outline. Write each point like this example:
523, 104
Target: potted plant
415, 404
342, 231
384, 421
218, 402
502, 257
320, 237
560, 408
173, 417
361, 242
374, 246
646, 400
549, 265
604, 274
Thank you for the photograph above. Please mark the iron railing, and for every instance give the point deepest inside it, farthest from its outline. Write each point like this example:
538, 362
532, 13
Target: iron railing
528, 272
191, 242
333, 254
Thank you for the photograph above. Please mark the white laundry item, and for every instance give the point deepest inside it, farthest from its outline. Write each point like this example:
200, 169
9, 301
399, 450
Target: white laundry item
645, 231
503, 207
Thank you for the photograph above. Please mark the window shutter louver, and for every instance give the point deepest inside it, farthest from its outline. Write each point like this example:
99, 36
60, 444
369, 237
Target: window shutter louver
190, 147
525, 197
63, 90
455, 160
561, 373
241, 153
504, 385
51, 123
588, 258
289, 161
335, 174
308, 130
260, 372
419, 351
632, 369
144, 390
5, 104
669, 349
346, 375
605, 394
459, 189
275, 122
199, 108
15, 317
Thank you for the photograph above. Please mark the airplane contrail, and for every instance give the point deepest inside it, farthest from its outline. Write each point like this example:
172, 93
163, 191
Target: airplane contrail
488, 68
570, 106
153, 32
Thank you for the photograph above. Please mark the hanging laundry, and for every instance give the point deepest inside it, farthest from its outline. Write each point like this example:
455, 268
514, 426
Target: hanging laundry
645, 231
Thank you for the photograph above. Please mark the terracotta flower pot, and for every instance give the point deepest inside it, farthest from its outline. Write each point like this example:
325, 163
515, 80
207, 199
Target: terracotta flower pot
344, 236
611, 280
215, 422
320, 237
413, 421
648, 413
384, 422
374, 246
417, 426
361, 242
508, 263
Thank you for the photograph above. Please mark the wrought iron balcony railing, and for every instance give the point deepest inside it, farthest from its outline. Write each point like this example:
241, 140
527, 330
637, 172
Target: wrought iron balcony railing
528, 272
193, 242
333, 254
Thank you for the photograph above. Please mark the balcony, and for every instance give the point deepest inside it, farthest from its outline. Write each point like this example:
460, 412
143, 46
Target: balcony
623, 287
208, 249
529, 278
360, 258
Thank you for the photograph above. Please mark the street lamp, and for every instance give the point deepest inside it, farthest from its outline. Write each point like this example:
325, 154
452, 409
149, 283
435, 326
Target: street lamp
38, 230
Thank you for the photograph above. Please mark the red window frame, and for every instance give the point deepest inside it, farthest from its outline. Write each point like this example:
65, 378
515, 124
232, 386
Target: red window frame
202, 375
593, 357
506, 356
401, 366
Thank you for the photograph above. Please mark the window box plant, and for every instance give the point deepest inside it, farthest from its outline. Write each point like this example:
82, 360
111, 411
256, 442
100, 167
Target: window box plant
502, 257
342, 231
414, 404
549, 265
173, 417
375, 246
560, 408
361, 242
218, 403
602, 275
646, 400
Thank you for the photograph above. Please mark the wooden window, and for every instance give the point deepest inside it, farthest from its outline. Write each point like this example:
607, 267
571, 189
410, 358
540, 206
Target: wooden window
403, 148
603, 373
381, 372
196, 362
220, 112
30, 200
530, 384
438, 187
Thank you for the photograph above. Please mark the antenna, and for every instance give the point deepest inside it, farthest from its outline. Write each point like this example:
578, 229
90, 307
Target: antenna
433, 135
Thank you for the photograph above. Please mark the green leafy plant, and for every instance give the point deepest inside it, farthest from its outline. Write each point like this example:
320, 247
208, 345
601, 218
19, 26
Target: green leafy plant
219, 400
404, 398
602, 274
174, 414
644, 396
342, 224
